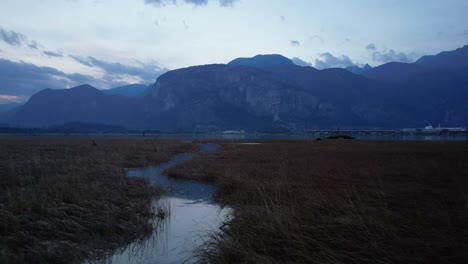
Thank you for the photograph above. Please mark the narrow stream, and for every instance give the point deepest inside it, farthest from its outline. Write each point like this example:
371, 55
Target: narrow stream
192, 217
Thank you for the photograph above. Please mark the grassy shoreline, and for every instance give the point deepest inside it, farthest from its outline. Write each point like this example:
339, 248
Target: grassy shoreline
338, 201
63, 200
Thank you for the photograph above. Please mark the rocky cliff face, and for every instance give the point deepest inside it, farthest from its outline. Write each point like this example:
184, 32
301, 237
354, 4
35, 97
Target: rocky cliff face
219, 94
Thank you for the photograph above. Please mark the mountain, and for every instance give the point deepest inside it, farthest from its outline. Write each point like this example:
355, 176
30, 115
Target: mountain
395, 71
435, 87
268, 92
447, 63
220, 96
7, 107
132, 90
359, 70
243, 94
49, 108
265, 62
447, 60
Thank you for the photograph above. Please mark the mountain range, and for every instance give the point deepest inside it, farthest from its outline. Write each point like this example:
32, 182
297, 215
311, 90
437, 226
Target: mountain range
131, 90
268, 92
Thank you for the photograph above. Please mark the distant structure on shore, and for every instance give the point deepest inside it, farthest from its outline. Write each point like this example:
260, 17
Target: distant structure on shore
230, 132
431, 129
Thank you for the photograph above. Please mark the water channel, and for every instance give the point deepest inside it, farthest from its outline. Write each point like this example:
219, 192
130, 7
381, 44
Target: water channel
191, 216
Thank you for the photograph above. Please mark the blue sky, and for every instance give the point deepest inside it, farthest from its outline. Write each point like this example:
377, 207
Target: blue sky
112, 42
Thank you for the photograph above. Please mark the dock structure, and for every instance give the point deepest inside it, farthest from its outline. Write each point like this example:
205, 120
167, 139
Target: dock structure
388, 132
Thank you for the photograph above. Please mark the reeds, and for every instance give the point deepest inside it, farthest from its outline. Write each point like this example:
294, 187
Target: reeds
338, 202
64, 200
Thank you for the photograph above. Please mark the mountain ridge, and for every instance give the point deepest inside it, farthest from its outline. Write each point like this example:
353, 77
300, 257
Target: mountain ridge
267, 92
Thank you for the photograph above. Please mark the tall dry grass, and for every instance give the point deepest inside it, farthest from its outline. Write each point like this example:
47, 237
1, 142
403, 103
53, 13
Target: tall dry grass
63, 200
338, 202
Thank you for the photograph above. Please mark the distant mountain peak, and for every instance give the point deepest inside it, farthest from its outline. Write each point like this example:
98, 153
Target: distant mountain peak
131, 90
359, 70
262, 61
454, 60
84, 87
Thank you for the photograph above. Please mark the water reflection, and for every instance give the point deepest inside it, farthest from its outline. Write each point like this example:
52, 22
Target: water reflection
190, 217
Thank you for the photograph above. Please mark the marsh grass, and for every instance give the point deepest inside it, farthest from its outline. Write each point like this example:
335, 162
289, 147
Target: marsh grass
63, 200
338, 202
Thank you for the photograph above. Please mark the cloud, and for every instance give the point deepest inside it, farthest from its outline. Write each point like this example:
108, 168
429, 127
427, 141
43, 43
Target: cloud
7, 97
317, 38
295, 43
13, 38
25, 79
33, 45
186, 25
371, 47
161, 3
197, 2
391, 56
282, 18
327, 60
226, 3
52, 54
300, 62
385, 56
145, 73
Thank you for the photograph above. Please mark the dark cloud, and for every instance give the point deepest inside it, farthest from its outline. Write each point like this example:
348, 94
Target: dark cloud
25, 79
11, 37
225, 3
81, 60
371, 47
295, 43
384, 56
52, 54
391, 56
327, 60
33, 45
300, 62
17, 39
159, 3
148, 73
197, 2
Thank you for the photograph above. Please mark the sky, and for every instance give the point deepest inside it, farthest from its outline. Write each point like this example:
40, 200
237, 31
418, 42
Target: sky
109, 43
